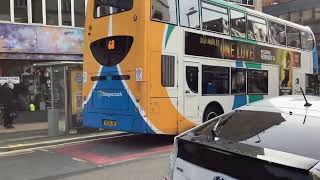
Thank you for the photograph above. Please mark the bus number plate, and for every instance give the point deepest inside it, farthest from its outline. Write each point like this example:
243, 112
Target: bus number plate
110, 123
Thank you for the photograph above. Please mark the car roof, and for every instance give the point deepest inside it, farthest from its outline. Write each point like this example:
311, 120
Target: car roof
293, 104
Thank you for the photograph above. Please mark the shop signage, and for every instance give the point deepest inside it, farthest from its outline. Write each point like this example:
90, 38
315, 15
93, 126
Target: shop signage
14, 80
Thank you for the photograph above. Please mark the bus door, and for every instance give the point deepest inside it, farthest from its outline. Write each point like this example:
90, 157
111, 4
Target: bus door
192, 89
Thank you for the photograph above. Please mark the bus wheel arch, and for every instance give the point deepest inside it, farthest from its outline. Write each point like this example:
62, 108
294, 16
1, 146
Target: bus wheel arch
212, 110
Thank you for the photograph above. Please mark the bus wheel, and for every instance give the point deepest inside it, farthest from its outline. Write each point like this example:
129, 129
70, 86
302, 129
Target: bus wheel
211, 112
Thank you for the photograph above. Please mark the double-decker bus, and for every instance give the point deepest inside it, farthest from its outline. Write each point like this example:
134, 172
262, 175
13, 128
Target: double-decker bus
164, 66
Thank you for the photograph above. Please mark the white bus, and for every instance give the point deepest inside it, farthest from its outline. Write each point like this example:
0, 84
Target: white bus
164, 66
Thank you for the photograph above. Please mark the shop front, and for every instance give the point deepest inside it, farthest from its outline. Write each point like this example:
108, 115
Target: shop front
22, 46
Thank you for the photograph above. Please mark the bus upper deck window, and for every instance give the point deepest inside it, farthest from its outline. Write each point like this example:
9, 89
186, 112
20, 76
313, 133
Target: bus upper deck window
293, 37
277, 33
164, 11
109, 7
307, 41
238, 24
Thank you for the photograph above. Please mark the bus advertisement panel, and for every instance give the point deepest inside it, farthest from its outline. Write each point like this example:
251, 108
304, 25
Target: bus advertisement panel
213, 47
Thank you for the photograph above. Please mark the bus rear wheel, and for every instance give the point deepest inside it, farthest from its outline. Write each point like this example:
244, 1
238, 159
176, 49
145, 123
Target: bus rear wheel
211, 112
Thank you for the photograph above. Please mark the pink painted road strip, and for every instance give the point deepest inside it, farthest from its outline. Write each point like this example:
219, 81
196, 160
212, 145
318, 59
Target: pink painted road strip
104, 153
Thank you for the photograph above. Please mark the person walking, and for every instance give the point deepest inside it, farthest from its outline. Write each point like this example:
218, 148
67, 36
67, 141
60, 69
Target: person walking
8, 104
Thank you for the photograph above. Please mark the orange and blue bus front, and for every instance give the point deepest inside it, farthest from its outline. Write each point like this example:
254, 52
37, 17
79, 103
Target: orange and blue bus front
115, 81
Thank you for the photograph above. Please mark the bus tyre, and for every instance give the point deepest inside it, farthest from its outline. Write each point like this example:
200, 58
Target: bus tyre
210, 113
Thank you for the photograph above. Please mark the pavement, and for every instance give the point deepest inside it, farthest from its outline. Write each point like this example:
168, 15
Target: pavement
24, 127
35, 135
22, 133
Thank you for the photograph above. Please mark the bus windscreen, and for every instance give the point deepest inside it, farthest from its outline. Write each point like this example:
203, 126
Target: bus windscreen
109, 7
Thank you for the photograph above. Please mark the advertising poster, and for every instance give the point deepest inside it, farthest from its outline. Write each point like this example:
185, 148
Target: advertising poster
286, 61
76, 94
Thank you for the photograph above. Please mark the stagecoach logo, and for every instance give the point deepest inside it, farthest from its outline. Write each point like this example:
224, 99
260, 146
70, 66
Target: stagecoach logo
110, 94
218, 178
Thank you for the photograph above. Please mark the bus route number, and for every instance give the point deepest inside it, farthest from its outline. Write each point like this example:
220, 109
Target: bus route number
111, 45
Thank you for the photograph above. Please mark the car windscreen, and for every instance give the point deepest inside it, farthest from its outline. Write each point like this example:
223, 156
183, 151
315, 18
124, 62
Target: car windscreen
296, 134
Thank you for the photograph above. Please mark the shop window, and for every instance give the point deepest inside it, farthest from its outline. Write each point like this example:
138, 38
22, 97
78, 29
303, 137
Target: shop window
52, 12
164, 11
257, 29
21, 11
215, 18
34, 85
37, 11
238, 24
189, 13
5, 10
277, 34
307, 16
167, 71
66, 12
294, 38
215, 80
307, 41
109, 7
238, 81
192, 77
79, 13
257, 81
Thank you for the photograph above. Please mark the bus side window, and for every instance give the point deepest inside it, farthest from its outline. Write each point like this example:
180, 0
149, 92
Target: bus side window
192, 77
215, 80
167, 71
164, 11
257, 81
307, 41
106, 8
277, 34
189, 13
238, 81
294, 37
238, 24
257, 29
215, 18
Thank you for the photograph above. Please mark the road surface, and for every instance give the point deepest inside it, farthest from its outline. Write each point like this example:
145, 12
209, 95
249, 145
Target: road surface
129, 157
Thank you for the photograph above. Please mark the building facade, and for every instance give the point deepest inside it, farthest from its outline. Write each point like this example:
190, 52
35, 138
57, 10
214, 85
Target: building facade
266, 3
33, 31
252, 4
305, 12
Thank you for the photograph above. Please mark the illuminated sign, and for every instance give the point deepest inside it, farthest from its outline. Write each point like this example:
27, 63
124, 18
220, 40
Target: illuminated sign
111, 45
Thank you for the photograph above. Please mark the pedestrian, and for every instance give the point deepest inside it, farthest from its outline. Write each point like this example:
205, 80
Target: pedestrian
8, 104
